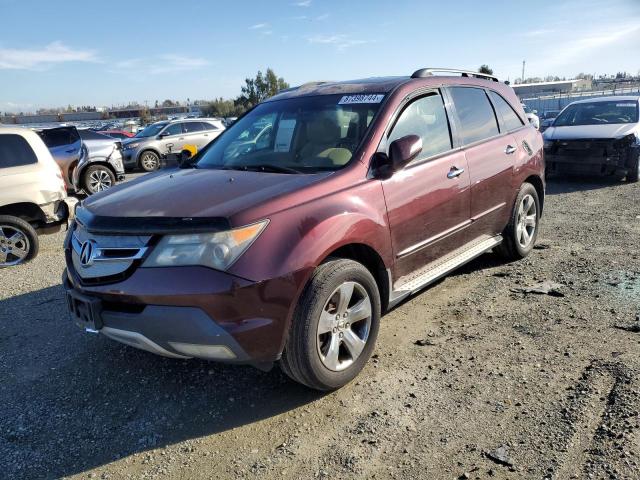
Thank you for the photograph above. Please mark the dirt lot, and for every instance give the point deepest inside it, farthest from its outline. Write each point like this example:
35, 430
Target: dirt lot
470, 379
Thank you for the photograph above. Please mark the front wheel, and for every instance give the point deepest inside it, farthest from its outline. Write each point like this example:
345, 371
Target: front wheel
149, 161
18, 241
522, 229
335, 326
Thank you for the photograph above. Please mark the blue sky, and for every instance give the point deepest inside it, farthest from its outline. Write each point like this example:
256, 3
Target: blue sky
54, 53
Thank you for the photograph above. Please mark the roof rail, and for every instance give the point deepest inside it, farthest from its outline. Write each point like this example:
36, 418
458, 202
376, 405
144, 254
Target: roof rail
427, 72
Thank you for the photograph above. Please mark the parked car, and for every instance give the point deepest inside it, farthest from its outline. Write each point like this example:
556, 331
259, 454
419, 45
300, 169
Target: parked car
150, 144
65, 145
33, 197
119, 134
103, 165
532, 116
547, 119
595, 137
366, 192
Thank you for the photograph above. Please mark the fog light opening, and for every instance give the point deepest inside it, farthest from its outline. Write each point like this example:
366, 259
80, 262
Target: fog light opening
215, 352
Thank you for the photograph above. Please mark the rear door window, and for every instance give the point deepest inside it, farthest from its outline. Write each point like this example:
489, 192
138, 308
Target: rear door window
509, 119
477, 119
208, 126
191, 127
15, 151
427, 118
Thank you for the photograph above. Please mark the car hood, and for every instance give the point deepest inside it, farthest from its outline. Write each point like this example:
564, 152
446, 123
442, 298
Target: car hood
589, 131
193, 193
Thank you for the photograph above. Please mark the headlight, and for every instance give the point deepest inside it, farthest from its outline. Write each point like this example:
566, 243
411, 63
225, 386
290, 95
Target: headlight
215, 250
130, 146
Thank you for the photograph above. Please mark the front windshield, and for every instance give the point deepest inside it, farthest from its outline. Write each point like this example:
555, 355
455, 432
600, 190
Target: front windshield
598, 113
298, 135
151, 130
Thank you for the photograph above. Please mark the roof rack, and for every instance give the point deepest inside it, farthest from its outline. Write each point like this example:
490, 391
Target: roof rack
427, 72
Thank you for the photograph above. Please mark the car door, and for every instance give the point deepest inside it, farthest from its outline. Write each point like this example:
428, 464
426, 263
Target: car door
193, 134
172, 138
489, 155
427, 201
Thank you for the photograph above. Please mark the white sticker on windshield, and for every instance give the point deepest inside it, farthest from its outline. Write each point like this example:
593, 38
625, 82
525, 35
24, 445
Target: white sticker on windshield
284, 135
351, 99
629, 105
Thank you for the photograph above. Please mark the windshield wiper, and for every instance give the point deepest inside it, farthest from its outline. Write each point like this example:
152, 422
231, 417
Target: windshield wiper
264, 168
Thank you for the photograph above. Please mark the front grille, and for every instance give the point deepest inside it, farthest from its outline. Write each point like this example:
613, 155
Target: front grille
102, 257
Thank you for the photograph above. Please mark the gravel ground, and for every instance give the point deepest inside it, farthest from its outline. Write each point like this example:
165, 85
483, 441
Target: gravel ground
471, 378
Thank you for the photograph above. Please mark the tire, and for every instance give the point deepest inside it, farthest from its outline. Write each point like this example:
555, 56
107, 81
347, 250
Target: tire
516, 244
149, 161
634, 171
18, 241
329, 360
97, 178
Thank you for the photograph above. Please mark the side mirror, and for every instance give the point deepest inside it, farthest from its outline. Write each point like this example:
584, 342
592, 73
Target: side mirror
401, 152
535, 112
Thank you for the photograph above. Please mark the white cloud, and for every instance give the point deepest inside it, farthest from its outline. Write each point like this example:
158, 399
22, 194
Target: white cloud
302, 3
339, 41
538, 33
160, 64
324, 16
34, 59
259, 26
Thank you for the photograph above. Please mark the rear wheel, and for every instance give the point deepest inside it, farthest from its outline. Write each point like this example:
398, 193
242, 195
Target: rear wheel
18, 241
335, 326
97, 178
149, 161
522, 229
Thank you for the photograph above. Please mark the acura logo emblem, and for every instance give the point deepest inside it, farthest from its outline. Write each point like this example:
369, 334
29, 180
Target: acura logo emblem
87, 253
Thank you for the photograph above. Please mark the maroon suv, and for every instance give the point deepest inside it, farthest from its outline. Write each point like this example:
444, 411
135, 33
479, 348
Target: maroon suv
288, 237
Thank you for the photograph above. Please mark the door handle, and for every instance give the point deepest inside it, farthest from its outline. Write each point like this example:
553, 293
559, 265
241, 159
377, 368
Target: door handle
510, 149
455, 172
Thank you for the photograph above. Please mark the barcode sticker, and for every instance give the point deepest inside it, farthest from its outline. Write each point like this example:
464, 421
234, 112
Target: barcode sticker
351, 99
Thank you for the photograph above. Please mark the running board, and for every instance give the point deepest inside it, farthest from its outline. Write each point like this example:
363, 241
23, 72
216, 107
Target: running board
436, 270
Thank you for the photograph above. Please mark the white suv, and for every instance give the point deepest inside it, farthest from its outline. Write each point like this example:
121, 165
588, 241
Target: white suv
33, 197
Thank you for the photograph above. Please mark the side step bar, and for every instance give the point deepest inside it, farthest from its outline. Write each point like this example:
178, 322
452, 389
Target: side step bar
419, 279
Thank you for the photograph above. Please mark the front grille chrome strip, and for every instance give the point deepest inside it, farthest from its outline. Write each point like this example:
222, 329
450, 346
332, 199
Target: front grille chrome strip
110, 254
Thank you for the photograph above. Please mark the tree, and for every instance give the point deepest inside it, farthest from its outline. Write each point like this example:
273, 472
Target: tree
257, 89
168, 103
485, 69
221, 107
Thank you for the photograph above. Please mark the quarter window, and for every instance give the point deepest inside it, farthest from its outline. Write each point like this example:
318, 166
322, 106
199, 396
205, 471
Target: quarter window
509, 118
15, 151
477, 120
427, 118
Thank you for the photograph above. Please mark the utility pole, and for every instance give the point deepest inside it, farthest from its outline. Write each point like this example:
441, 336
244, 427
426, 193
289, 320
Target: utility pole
523, 62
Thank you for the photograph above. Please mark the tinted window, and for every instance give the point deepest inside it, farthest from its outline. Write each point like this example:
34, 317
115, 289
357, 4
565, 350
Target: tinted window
510, 119
475, 113
190, 127
209, 126
425, 117
173, 129
56, 137
15, 151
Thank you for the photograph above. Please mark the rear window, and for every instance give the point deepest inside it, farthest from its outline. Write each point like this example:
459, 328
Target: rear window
91, 135
477, 119
509, 118
209, 126
15, 151
56, 137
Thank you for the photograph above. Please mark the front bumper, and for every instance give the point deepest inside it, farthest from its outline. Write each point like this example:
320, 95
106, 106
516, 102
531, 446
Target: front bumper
192, 312
590, 157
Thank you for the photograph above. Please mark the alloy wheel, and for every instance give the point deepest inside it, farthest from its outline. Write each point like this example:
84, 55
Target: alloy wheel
99, 180
149, 161
526, 221
344, 326
14, 245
